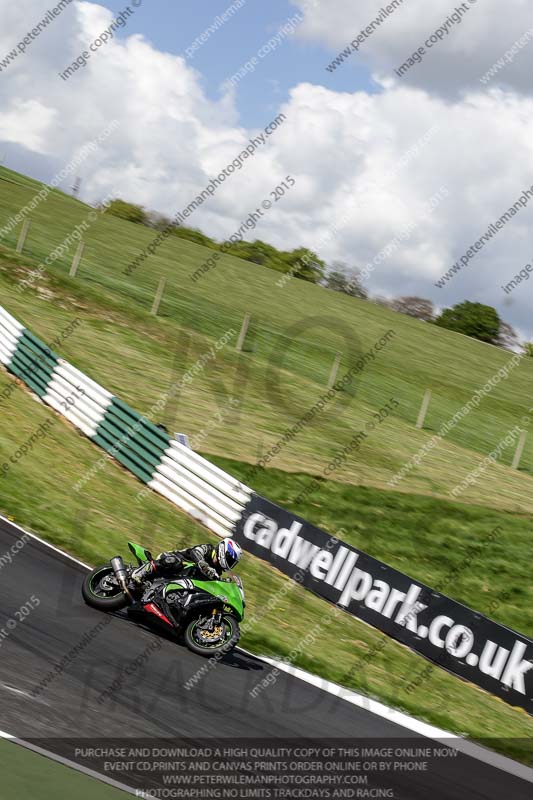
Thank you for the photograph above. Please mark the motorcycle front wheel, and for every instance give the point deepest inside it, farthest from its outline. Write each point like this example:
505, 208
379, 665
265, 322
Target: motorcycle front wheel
207, 643
101, 590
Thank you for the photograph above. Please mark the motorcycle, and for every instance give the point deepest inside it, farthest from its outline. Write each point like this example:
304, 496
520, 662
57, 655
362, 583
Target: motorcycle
204, 614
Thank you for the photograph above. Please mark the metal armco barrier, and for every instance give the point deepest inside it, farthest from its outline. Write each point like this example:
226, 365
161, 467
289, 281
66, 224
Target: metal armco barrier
166, 466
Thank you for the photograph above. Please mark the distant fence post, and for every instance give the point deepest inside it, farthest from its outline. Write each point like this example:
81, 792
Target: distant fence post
423, 409
519, 450
334, 371
244, 331
23, 234
77, 258
158, 296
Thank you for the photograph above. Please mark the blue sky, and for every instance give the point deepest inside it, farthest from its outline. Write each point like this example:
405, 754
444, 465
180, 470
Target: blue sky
391, 148
172, 27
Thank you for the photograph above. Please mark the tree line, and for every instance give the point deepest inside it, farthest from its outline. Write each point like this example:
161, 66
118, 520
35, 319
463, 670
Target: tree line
476, 320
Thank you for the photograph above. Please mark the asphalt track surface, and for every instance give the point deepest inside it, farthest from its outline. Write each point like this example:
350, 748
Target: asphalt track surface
153, 703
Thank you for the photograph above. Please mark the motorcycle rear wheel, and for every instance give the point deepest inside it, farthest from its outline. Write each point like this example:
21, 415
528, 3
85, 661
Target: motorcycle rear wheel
99, 593
193, 638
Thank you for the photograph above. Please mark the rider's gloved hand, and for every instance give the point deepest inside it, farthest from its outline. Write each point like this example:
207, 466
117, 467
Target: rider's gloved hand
208, 571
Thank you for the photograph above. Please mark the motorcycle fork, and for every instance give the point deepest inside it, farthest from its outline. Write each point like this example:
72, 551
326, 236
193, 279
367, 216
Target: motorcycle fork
216, 619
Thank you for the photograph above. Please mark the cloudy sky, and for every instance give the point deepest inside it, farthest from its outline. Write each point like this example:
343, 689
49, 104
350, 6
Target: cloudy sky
404, 173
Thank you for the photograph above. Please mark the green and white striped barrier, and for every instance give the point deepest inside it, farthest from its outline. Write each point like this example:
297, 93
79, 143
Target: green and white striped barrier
206, 492
186, 479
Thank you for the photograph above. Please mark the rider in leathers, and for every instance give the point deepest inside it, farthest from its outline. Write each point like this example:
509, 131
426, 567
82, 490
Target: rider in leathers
210, 561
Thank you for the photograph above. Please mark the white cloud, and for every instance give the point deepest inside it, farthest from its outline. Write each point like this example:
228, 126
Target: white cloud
28, 123
338, 146
468, 49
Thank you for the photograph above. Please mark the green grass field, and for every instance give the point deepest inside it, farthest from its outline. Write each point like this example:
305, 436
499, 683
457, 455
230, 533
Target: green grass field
414, 528
29, 776
97, 523
136, 355
425, 537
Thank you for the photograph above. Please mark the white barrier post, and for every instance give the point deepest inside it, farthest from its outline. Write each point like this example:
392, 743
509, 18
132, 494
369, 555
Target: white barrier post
334, 371
519, 450
77, 258
244, 331
23, 234
423, 409
158, 296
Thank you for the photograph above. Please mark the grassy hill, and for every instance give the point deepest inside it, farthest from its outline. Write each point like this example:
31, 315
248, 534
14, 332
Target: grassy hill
296, 332
137, 356
97, 523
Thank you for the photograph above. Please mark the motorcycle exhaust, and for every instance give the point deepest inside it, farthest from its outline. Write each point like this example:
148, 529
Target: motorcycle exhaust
120, 573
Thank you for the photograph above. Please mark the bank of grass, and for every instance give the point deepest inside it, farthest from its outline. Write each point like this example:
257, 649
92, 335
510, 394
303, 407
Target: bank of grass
38, 492
296, 332
27, 775
438, 542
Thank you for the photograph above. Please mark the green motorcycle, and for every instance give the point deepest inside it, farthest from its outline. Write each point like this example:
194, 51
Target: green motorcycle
204, 614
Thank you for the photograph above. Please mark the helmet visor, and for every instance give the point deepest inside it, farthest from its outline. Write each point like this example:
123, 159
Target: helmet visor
231, 555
